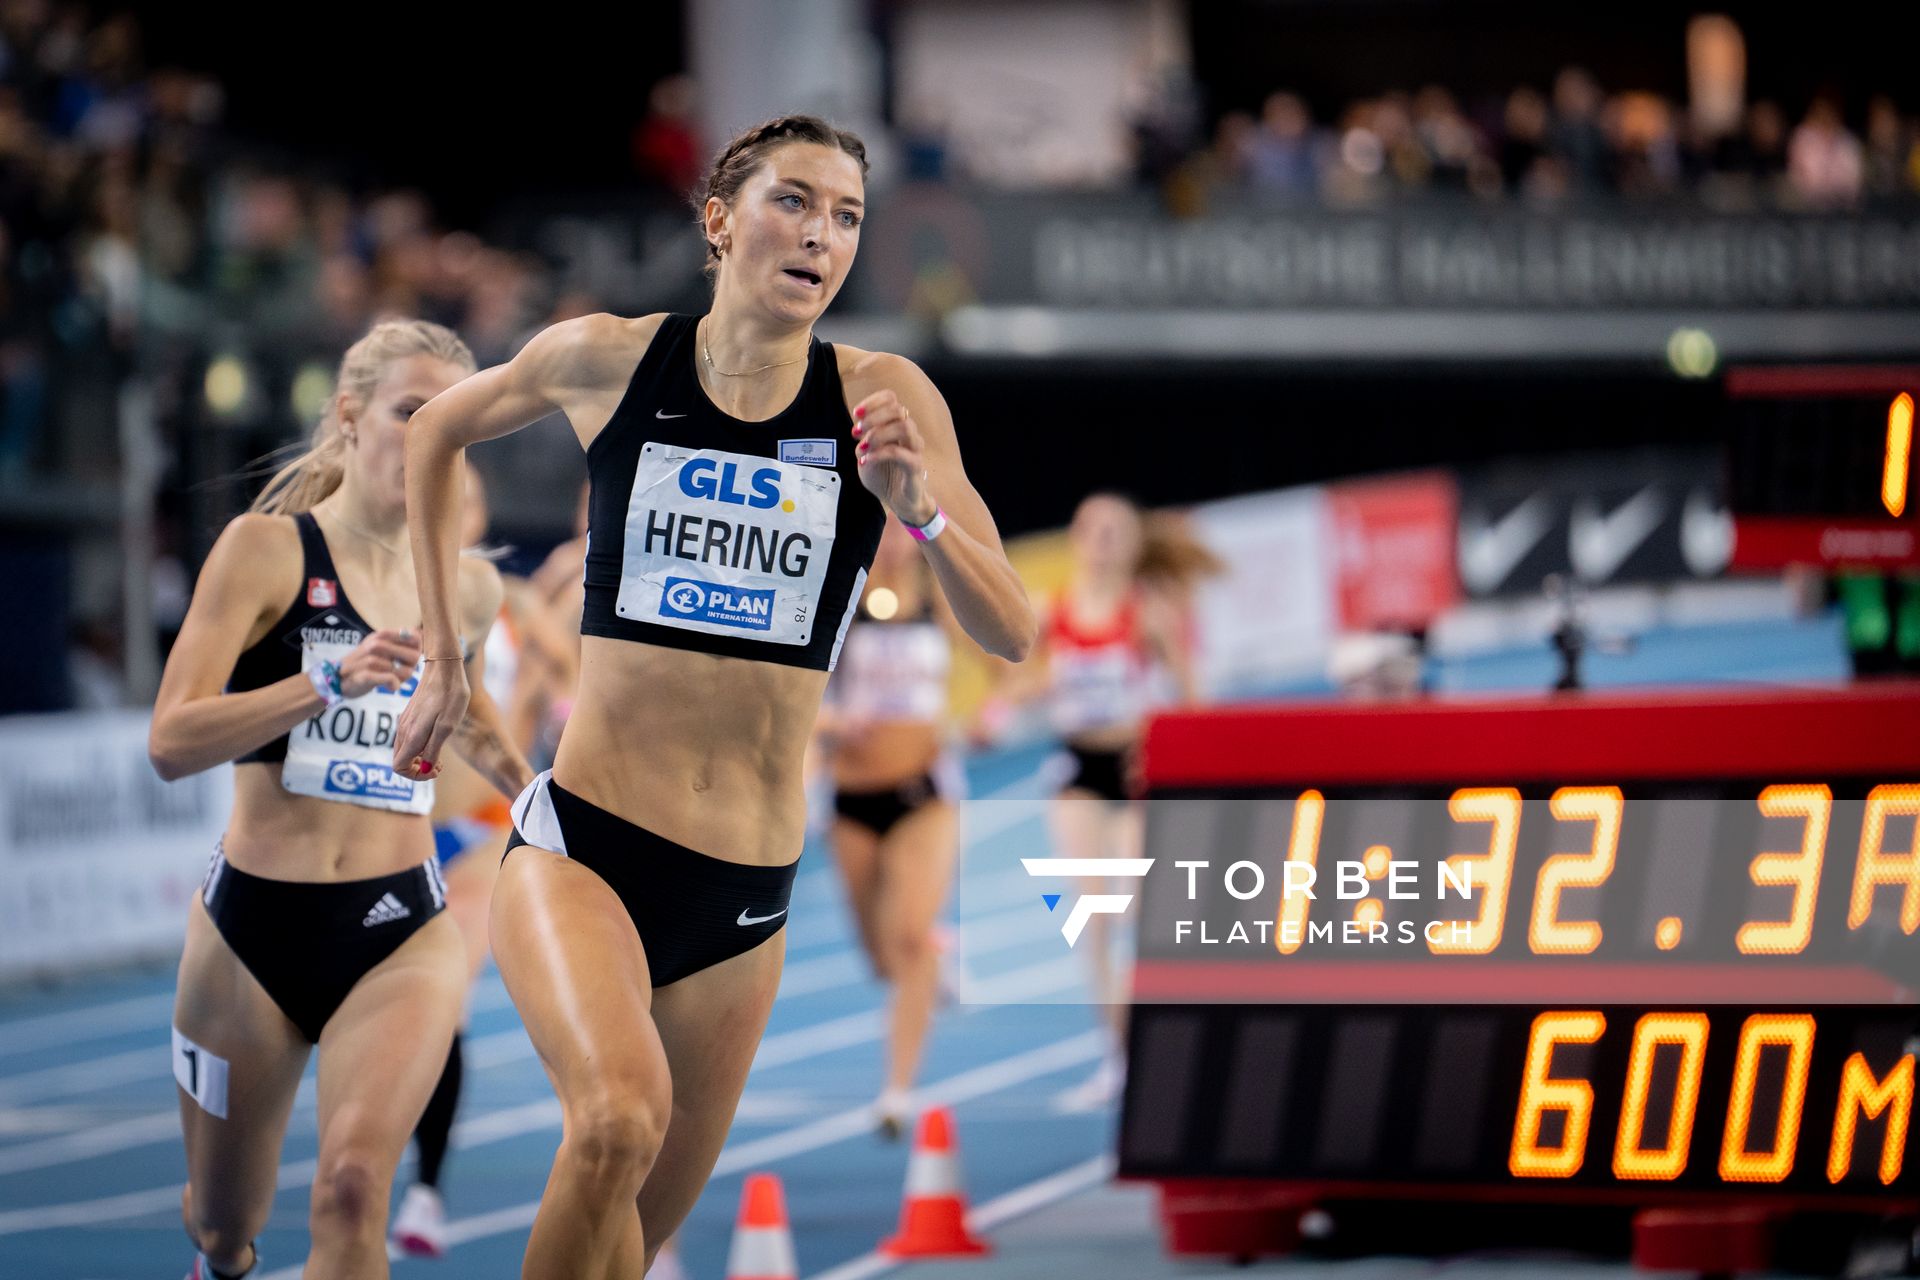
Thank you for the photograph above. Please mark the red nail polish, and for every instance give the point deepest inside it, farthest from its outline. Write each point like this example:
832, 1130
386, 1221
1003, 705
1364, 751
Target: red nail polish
857, 429
861, 412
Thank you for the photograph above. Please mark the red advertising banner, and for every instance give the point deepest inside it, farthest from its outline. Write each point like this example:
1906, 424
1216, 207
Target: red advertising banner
1393, 546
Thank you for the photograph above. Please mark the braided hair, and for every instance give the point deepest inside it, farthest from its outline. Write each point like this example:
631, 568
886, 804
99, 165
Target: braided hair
742, 157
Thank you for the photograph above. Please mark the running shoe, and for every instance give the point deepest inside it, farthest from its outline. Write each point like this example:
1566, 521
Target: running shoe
420, 1228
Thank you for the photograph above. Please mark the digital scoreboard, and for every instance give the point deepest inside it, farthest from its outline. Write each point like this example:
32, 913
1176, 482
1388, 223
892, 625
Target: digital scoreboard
1820, 466
1686, 974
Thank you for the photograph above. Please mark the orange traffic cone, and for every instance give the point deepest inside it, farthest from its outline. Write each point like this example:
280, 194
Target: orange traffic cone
762, 1242
933, 1215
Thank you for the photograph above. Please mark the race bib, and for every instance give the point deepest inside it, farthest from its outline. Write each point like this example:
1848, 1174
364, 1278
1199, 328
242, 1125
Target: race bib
345, 753
894, 672
1095, 689
730, 544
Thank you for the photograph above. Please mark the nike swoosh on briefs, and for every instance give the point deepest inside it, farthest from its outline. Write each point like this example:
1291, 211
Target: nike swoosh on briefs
662, 413
747, 919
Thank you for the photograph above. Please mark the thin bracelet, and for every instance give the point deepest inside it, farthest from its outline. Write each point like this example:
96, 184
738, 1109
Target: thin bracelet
455, 658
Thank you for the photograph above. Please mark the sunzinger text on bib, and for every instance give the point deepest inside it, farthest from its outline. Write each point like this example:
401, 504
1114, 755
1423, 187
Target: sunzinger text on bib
727, 543
345, 753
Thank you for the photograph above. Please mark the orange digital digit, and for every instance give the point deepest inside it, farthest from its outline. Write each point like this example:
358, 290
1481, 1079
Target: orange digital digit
1667, 1161
1794, 1032
1801, 870
1877, 867
1602, 806
1303, 846
1490, 874
1540, 1093
1893, 475
1860, 1091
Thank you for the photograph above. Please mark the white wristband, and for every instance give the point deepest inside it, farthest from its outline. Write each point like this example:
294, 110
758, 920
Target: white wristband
322, 681
931, 529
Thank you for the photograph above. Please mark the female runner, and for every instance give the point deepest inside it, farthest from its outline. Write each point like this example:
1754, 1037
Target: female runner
741, 470
895, 826
320, 919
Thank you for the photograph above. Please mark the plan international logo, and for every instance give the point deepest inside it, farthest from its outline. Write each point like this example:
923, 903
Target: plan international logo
1092, 904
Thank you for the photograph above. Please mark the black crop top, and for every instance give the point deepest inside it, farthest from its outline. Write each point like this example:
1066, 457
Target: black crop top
320, 613
704, 532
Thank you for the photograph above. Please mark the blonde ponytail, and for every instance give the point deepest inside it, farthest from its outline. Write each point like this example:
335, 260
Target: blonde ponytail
310, 477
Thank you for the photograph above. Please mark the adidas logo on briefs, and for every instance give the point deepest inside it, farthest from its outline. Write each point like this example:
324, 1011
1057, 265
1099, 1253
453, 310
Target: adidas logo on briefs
389, 908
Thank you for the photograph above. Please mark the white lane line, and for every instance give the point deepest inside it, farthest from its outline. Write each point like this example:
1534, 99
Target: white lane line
134, 1065
512, 1045
482, 1052
1022, 1201
857, 1122
84, 1144
95, 1022
79, 1077
776, 1050
1005, 810
981, 937
996, 1212
978, 935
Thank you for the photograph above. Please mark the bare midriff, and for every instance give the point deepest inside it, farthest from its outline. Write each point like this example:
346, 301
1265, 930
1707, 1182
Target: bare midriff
885, 754
282, 836
1117, 737
703, 750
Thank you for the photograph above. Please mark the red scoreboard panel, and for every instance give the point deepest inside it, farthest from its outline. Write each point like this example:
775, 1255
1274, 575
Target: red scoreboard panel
1772, 1073
1820, 465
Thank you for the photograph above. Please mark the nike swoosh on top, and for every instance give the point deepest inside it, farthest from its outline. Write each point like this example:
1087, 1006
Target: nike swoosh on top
662, 413
747, 919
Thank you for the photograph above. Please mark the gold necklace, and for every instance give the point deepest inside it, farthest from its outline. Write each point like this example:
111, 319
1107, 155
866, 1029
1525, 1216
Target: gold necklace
351, 527
747, 373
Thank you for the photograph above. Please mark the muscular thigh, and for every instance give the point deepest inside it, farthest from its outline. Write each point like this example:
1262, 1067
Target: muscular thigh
243, 1041
573, 963
857, 850
470, 896
710, 1024
384, 1048
917, 860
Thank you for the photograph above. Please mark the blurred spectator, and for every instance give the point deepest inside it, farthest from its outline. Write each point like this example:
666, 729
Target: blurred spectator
1825, 163
1527, 167
924, 150
1716, 76
1221, 167
1407, 161
1449, 145
1165, 125
1576, 137
1893, 150
1646, 147
666, 147
94, 666
1280, 157
1358, 172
